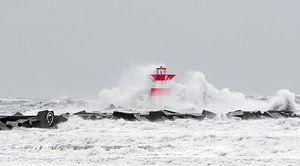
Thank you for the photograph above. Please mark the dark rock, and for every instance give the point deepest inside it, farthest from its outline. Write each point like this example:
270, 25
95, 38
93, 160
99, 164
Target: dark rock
80, 112
251, 115
189, 116
94, 115
18, 114
3, 126
27, 123
208, 114
33, 123
170, 115
12, 123
157, 115
123, 115
246, 115
46, 118
61, 118
141, 117
279, 114
237, 113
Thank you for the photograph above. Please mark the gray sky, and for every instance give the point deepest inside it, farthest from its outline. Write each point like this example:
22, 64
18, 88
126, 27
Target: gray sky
75, 48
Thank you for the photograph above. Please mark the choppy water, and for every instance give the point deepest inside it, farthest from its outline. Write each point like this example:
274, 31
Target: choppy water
32, 106
119, 142
179, 142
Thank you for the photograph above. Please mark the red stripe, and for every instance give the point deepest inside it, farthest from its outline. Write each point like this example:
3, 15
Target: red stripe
162, 77
159, 91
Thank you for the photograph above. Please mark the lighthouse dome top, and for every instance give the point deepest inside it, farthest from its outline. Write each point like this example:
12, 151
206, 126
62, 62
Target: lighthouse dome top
161, 68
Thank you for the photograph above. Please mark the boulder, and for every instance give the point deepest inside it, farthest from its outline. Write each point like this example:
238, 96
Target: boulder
208, 114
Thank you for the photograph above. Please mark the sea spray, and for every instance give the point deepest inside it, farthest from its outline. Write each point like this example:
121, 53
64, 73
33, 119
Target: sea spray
283, 100
191, 94
132, 90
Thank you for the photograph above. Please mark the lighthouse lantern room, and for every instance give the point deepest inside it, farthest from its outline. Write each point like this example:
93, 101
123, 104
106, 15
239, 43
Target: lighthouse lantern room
161, 82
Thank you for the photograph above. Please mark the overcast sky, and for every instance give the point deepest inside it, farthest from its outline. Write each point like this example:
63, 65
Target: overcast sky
54, 48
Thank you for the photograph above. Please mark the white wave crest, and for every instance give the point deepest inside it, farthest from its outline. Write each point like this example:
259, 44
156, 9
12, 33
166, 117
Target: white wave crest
193, 93
284, 100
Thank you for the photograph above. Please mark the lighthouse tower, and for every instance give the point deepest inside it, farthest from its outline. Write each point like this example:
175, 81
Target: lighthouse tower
161, 82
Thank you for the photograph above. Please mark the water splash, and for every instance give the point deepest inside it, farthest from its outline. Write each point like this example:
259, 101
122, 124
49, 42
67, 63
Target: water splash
191, 94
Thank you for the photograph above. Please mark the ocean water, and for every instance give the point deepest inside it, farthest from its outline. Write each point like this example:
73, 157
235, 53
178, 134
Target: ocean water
217, 141
179, 142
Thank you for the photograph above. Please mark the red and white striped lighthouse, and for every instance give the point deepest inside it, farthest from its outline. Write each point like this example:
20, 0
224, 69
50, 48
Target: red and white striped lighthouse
161, 82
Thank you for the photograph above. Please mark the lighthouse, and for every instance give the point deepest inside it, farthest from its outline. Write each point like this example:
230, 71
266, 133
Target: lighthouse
161, 82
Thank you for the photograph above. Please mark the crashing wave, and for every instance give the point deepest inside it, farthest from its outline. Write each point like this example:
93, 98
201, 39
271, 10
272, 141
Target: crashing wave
193, 93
